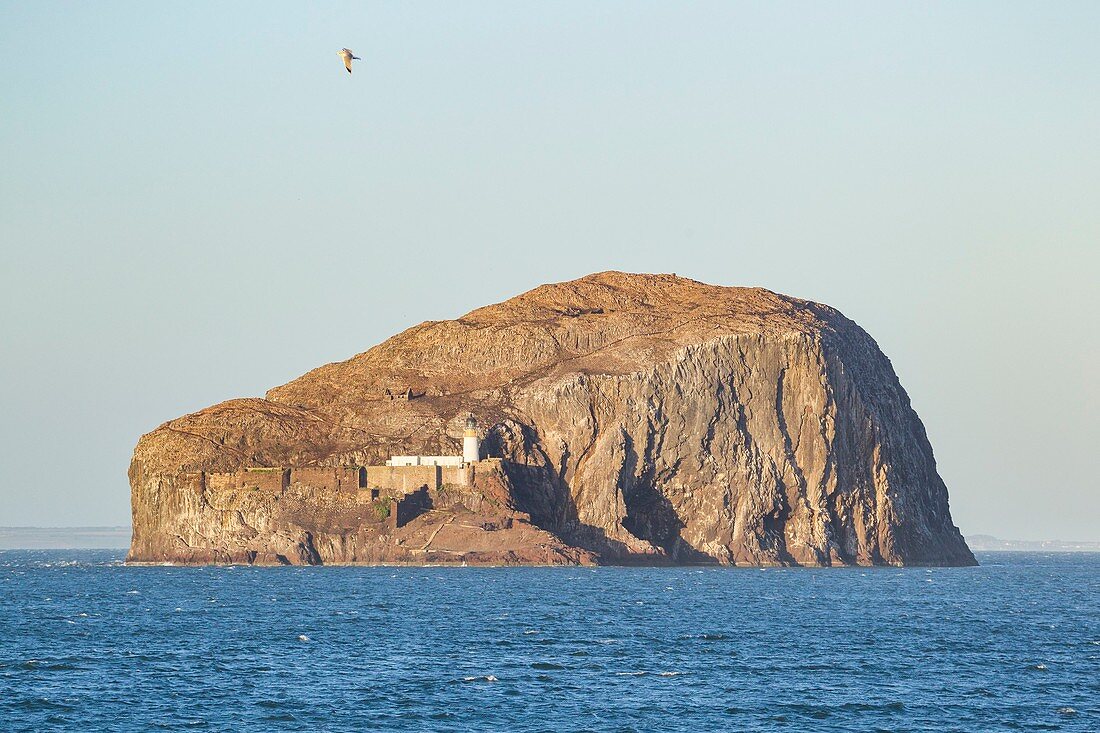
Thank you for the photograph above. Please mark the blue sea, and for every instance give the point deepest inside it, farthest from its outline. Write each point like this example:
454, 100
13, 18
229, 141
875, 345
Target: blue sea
87, 644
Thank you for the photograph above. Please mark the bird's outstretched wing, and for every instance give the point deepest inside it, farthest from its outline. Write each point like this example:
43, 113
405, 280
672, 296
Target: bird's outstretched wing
347, 55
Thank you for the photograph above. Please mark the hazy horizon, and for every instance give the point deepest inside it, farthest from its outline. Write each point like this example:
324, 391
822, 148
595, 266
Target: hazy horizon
198, 203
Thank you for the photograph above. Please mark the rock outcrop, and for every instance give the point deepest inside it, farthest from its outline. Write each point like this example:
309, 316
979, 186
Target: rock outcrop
640, 418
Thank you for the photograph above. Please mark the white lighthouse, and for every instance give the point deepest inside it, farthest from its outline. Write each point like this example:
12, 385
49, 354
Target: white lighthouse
471, 450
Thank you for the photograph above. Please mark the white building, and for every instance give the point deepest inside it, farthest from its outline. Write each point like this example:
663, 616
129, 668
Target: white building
425, 461
471, 447
471, 452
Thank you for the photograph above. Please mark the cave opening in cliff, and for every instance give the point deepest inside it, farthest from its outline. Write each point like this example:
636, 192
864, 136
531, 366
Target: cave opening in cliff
650, 516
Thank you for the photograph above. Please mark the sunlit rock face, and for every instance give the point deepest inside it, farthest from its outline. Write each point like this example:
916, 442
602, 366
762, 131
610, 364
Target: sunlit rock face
640, 418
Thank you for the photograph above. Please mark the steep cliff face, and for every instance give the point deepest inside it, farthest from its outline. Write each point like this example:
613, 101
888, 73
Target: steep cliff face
641, 418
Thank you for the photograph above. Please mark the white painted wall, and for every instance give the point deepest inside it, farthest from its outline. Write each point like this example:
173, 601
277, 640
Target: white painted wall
425, 461
471, 449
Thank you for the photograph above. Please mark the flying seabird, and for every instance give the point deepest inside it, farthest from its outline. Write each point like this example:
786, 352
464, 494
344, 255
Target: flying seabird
347, 55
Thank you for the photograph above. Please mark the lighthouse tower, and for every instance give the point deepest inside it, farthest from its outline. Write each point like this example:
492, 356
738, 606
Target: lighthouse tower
471, 450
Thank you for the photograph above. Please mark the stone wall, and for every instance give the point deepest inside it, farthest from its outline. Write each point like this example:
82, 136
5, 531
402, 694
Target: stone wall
349, 479
381, 480
456, 475
267, 479
403, 479
425, 461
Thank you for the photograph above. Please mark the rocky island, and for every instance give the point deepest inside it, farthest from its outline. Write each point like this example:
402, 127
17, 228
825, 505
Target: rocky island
618, 418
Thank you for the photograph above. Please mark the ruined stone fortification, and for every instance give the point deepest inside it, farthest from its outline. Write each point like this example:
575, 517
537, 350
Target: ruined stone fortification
638, 418
357, 514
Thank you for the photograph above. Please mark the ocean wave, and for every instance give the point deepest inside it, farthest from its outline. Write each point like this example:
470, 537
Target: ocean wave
750, 647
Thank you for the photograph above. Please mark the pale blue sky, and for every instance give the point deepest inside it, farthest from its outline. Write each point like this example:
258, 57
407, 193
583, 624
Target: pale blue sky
197, 202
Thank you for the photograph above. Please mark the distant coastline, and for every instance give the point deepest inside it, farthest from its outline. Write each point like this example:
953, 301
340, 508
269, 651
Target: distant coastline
989, 543
64, 538
118, 538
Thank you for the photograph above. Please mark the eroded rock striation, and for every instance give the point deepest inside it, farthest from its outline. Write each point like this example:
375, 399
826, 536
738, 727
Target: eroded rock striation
636, 418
